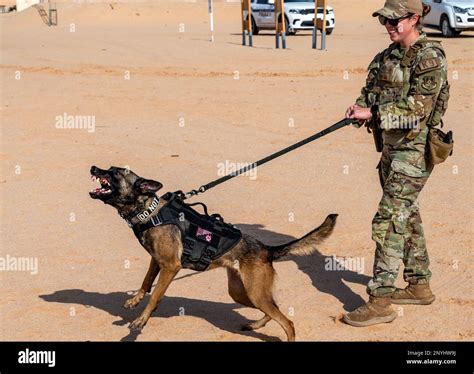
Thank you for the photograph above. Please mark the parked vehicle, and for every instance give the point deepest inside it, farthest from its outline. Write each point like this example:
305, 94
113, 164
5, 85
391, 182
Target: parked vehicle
450, 16
299, 15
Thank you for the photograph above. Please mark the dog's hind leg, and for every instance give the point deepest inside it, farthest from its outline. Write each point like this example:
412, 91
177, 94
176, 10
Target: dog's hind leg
257, 324
238, 292
258, 285
164, 280
150, 276
239, 295
270, 308
236, 288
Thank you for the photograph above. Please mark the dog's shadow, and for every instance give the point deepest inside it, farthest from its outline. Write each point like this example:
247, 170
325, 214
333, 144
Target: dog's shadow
221, 315
326, 281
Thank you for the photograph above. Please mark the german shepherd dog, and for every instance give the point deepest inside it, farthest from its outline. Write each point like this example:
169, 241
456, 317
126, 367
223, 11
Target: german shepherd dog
250, 284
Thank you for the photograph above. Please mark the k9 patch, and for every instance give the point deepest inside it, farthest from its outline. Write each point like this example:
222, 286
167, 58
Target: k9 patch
427, 65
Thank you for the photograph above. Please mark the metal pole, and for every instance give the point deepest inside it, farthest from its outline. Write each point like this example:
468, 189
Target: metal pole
323, 34
211, 17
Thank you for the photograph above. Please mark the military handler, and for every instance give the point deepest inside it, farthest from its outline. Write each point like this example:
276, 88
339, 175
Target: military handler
405, 95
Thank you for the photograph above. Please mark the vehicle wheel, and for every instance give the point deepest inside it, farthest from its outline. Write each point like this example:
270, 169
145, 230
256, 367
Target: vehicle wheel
329, 31
287, 28
255, 29
446, 28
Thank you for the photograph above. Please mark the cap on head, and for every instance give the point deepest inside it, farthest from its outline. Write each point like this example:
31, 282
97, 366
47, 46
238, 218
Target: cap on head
398, 8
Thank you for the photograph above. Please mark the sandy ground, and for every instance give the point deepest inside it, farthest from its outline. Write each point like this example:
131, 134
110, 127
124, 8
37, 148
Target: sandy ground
89, 261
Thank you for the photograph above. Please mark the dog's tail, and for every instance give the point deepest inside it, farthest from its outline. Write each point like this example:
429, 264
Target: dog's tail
307, 244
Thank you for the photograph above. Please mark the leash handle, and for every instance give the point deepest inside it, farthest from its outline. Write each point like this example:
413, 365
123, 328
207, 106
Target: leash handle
330, 129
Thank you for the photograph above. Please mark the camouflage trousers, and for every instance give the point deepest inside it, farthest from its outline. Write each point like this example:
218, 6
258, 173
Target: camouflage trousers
397, 228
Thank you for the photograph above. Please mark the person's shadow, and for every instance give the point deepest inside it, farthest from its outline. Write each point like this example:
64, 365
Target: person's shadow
327, 281
221, 315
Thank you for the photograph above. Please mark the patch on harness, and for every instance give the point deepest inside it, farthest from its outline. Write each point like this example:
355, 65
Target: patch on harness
203, 234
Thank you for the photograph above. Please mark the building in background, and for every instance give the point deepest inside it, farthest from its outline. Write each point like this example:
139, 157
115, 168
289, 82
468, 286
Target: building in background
23, 4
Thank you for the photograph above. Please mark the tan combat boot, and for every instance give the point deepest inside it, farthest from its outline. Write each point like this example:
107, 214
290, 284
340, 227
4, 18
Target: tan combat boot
376, 310
418, 294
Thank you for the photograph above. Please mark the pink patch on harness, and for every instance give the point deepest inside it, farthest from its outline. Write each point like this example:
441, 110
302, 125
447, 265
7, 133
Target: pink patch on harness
204, 233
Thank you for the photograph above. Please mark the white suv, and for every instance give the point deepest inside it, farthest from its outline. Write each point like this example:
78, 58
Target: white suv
299, 15
450, 16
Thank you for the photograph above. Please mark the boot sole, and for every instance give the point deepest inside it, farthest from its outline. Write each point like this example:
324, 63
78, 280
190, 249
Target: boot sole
427, 301
373, 321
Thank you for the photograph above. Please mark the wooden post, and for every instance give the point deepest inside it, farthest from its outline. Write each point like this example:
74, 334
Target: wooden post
52, 14
280, 26
246, 12
319, 24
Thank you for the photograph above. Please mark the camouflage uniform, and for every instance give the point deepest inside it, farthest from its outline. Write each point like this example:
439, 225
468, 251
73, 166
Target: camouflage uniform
406, 89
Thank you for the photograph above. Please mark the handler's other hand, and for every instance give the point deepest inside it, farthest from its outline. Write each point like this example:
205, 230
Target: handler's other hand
357, 112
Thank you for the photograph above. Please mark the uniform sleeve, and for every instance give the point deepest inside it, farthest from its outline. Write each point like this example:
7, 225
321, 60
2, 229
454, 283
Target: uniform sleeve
427, 80
364, 100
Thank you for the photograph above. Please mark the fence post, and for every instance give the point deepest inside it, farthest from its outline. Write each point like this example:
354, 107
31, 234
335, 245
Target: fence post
280, 26
246, 13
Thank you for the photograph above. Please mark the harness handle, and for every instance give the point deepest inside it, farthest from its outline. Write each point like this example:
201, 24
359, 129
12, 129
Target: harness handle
205, 187
203, 206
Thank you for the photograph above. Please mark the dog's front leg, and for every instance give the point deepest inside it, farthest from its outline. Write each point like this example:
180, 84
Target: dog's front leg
150, 276
166, 276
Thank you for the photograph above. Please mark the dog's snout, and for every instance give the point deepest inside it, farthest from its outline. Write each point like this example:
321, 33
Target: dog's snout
96, 170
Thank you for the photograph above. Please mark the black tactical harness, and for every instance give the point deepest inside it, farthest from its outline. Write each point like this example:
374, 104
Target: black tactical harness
205, 237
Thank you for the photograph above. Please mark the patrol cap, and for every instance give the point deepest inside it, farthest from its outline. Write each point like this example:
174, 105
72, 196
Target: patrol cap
394, 9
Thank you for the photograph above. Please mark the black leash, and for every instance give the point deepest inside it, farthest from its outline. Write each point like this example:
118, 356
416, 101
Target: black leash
204, 188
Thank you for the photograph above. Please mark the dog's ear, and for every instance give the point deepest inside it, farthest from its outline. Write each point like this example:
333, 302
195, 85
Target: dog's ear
147, 186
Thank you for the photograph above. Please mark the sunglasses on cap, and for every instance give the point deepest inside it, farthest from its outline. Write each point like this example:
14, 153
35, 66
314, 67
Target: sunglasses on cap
392, 22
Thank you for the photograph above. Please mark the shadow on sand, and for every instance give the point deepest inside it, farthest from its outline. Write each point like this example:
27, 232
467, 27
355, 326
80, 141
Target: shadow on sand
222, 315
329, 282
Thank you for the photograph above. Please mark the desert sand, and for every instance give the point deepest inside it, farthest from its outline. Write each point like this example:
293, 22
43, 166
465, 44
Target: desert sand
173, 106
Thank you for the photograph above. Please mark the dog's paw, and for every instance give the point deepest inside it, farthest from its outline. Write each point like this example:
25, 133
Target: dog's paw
138, 324
132, 303
246, 327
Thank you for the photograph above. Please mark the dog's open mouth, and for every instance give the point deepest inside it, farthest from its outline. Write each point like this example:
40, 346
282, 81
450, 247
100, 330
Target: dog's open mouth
104, 189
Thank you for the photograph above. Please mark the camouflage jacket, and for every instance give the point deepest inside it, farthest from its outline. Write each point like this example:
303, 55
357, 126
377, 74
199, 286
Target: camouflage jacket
409, 86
